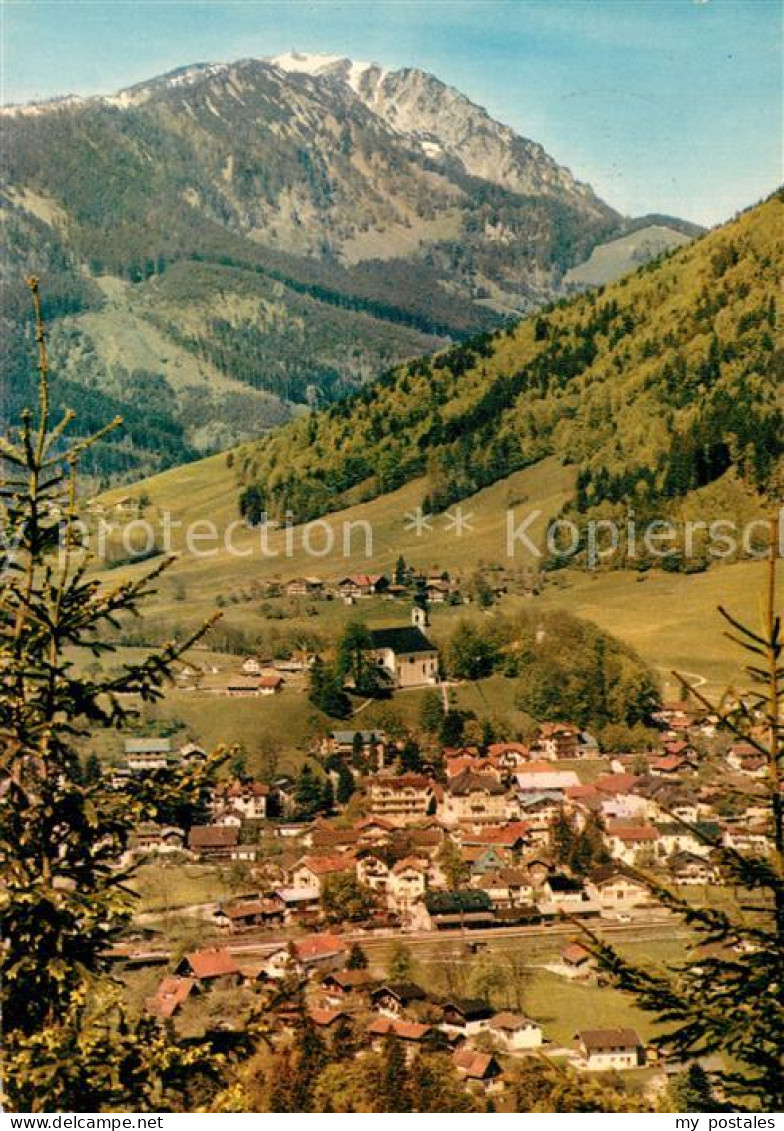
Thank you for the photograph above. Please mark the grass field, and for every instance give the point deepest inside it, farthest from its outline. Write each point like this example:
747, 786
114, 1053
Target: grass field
671, 619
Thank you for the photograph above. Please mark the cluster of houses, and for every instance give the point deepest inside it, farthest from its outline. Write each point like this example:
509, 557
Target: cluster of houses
468, 845
343, 999
359, 586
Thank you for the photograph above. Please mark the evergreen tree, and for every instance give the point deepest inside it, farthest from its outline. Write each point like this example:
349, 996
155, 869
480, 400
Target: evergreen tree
308, 794
691, 1091
400, 966
327, 802
431, 712
357, 959
93, 771
67, 1043
346, 784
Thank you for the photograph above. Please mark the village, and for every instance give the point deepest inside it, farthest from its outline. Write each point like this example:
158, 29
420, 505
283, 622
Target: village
383, 842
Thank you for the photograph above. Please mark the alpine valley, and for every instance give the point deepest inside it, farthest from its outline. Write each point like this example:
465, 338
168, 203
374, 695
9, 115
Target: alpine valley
225, 246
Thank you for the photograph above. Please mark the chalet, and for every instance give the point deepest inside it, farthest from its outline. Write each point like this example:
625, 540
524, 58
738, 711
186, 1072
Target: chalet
304, 587
557, 742
628, 842
366, 743
313, 871
243, 688
616, 784
299, 902
405, 656
246, 914
480, 1070
616, 890
328, 838
373, 869
407, 797
219, 841
149, 837
509, 755
512, 836
748, 839
170, 996
326, 1019
672, 765
484, 861
411, 1034
606, 1049
212, 967
474, 797
407, 884
148, 754
539, 809
270, 684
230, 817
393, 998
688, 868
747, 759
577, 960
508, 887
437, 592
466, 1017
362, 585
250, 798
347, 986
565, 894
191, 753
700, 839
314, 952
374, 830
253, 665
515, 1032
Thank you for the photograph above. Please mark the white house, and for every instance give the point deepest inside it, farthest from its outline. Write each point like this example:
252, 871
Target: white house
601, 1050
515, 1032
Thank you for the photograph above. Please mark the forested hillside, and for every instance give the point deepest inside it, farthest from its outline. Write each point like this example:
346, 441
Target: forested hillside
655, 387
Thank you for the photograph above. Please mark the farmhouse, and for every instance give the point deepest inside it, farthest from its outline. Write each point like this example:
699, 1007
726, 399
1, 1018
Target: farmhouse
213, 967
480, 1069
219, 841
362, 585
515, 1032
305, 587
409, 1033
393, 998
604, 1049
171, 994
466, 1016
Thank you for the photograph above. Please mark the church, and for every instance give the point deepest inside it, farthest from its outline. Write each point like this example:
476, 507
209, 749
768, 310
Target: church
405, 655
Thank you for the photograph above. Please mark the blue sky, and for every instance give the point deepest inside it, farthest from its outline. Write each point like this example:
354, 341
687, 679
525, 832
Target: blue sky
662, 105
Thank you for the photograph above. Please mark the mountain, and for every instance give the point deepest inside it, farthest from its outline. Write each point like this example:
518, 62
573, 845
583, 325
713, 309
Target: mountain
228, 244
663, 387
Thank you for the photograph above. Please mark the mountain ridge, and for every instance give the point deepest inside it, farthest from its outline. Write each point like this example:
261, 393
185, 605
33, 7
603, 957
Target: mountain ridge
273, 236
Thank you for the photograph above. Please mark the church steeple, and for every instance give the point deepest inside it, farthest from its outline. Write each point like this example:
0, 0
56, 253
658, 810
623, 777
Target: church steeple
419, 616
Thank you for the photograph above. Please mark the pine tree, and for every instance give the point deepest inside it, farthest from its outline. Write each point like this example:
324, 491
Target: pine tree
67, 1042
308, 795
357, 959
346, 784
